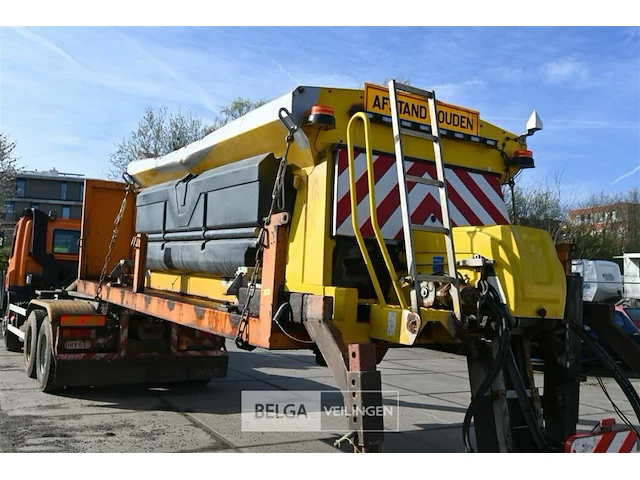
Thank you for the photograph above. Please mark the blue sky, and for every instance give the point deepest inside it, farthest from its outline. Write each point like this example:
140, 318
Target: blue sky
67, 95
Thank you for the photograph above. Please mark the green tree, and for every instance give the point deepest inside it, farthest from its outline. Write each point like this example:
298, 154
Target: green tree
236, 109
8, 170
159, 133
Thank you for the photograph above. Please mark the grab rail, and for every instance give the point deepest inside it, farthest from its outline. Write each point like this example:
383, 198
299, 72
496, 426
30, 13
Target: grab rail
374, 215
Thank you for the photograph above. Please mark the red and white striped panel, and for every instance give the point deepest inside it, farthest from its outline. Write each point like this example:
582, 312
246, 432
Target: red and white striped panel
474, 198
623, 441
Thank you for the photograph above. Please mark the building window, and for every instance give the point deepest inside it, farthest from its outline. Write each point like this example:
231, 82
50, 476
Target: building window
63, 191
8, 214
66, 212
82, 192
35, 205
20, 186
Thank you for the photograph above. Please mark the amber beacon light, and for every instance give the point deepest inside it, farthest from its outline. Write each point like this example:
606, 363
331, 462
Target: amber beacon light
322, 116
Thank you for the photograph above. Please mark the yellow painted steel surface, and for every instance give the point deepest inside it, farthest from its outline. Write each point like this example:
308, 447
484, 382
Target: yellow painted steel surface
526, 264
191, 285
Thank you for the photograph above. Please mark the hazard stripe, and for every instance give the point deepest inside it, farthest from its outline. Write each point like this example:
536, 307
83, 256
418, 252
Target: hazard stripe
462, 206
391, 198
380, 167
343, 160
604, 442
496, 199
382, 188
425, 209
343, 208
617, 442
494, 182
480, 196
629, 443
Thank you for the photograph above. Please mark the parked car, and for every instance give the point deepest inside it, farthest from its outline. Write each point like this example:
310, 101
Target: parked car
631, 313
621, 320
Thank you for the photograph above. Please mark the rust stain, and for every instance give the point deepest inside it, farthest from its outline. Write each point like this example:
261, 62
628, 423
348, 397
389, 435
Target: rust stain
201, 317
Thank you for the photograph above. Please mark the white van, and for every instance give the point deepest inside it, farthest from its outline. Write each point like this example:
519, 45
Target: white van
631, 269
602, 280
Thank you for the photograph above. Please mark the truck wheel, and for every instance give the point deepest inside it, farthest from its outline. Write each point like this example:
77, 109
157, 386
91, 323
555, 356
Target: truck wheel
45, 363
34, 321
11, 342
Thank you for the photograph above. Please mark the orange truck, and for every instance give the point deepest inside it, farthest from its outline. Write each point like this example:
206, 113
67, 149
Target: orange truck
80, 338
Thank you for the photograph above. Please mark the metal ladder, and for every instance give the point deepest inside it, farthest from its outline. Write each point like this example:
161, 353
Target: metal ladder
440, 183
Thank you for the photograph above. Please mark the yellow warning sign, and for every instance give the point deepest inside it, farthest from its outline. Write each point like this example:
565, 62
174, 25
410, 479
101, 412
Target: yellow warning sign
416, 109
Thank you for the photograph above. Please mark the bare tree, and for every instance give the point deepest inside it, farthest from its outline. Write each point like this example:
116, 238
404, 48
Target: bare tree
601, 226
399, 79
542, 205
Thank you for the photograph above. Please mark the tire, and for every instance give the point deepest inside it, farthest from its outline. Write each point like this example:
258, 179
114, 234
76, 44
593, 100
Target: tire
45, 363
34, 321
11, 342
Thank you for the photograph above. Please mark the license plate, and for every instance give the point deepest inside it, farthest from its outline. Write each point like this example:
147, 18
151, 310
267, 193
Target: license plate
77, 345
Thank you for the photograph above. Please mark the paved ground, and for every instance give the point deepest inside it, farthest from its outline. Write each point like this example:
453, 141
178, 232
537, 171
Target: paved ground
433, 392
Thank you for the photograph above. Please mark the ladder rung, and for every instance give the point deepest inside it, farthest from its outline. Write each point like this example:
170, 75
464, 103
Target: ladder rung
435, 278
430, 228
425, 181
418, 134
414, 90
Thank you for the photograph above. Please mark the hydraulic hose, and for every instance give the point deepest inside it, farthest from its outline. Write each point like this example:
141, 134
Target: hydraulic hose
501, 357
622, 380
525, 405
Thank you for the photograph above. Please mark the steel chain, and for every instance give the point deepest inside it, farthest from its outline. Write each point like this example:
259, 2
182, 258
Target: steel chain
114, 236
277, 197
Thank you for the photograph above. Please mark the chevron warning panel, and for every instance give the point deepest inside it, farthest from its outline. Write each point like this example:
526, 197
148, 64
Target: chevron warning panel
621, 441
475, 198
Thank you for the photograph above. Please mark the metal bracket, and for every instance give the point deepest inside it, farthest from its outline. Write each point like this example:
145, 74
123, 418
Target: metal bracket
477, 261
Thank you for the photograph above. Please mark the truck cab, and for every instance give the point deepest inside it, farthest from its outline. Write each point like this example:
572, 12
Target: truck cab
44, 256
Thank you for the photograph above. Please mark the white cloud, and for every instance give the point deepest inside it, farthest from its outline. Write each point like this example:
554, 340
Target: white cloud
565, 69
628, 174
23, 32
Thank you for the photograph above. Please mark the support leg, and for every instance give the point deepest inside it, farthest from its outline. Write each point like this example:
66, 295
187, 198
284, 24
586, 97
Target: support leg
561, 397
491, 421
358, 380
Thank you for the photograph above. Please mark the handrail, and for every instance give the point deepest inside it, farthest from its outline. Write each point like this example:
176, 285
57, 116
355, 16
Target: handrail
373, 211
